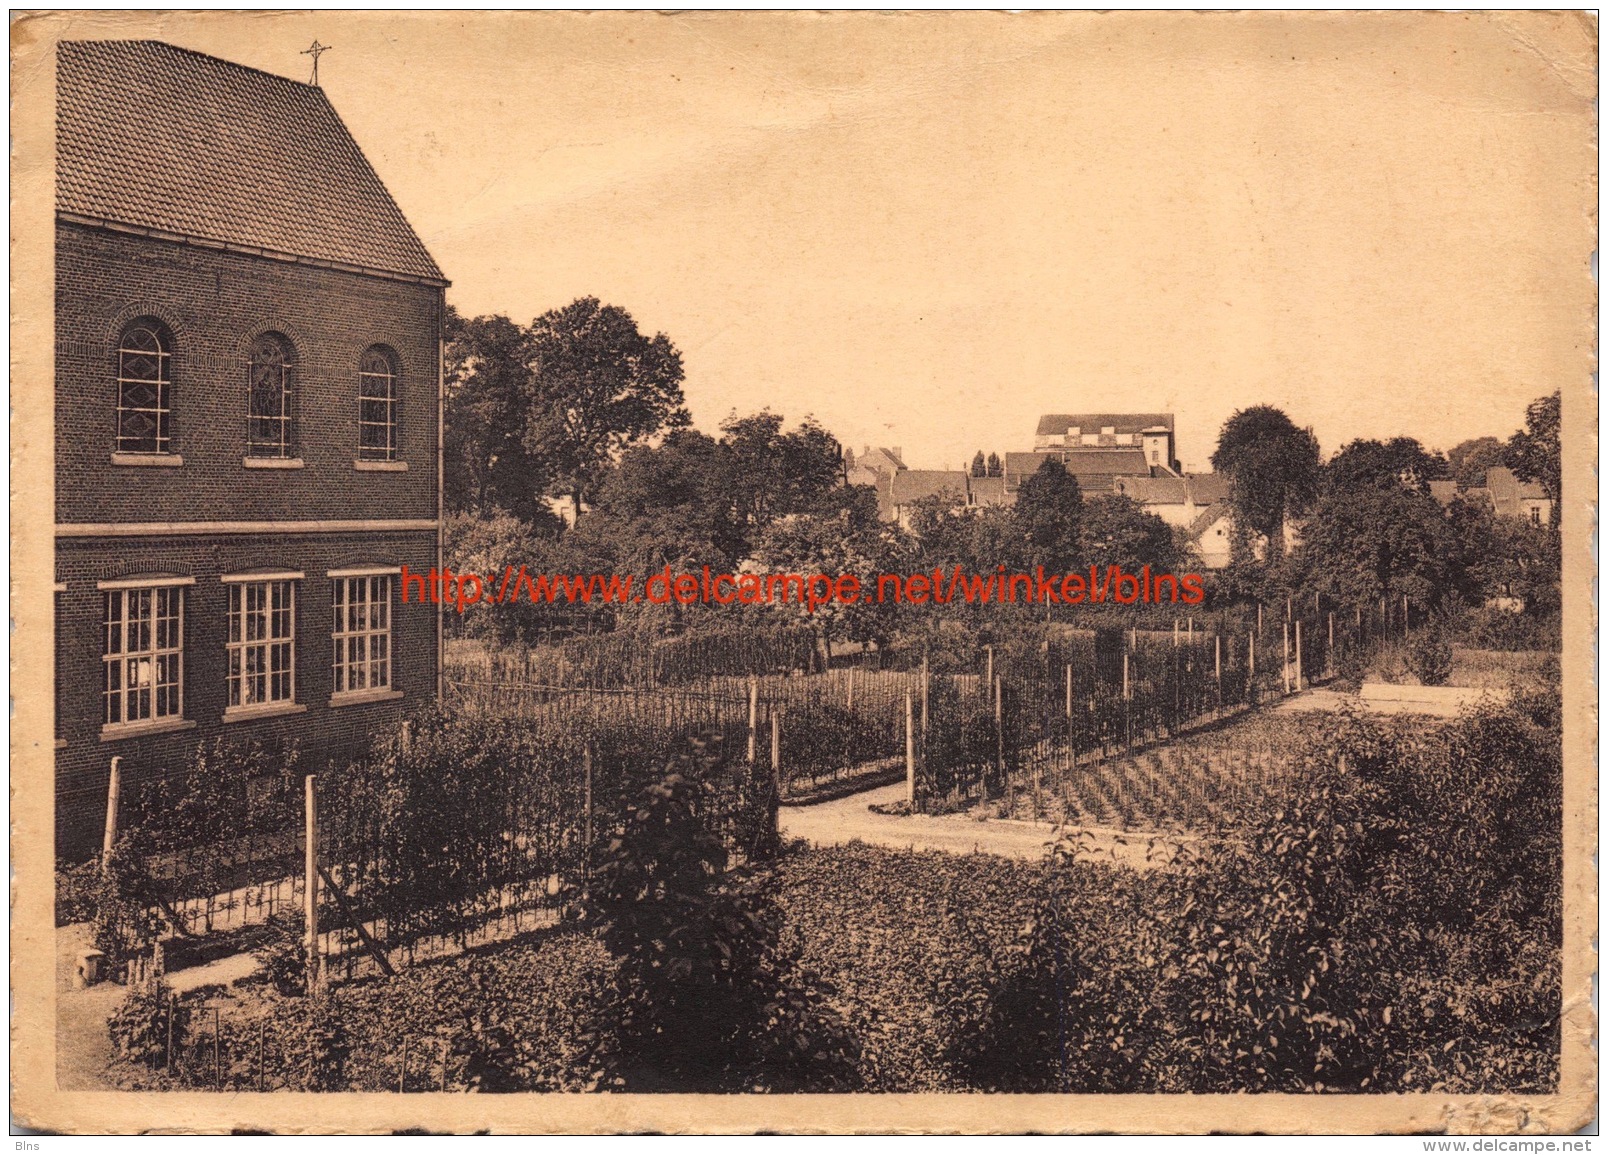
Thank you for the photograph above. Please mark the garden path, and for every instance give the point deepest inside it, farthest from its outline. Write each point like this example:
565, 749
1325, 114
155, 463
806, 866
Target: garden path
851, 820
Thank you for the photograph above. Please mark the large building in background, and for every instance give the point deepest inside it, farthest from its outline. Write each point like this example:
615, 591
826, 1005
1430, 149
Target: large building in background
248, 423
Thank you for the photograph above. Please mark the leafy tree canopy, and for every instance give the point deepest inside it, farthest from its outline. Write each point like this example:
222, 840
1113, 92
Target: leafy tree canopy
1535, 453
1272, 465
1399, 462
1468, 460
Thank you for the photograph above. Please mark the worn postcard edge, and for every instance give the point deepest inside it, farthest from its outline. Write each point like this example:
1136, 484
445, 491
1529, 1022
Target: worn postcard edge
36, 1103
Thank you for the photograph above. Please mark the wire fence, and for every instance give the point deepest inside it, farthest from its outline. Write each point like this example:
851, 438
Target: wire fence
483, 818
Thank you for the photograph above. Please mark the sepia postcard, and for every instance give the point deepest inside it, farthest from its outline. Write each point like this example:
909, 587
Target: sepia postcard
806, 572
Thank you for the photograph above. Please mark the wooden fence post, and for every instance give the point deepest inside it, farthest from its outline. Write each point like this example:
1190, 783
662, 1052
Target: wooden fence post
926, 686
114, 791
776, 745
1328, 663
999, 726
850, 702
586, 768
753, 717
1286, 657
1298, 663
310, 887
1217, 666
910, 751
989, 675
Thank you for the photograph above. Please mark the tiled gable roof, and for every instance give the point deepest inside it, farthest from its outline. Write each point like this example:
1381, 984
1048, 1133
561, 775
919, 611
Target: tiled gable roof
161, 138
1052, 424
910, 485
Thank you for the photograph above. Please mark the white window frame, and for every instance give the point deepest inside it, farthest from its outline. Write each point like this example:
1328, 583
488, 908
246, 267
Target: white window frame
355, 641
161, 412
137, 661
390, 382
240, 647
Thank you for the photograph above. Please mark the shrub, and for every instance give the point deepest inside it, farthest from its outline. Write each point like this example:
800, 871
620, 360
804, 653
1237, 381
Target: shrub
283, 952
703, 998
1429, 657
140, 1026
1489, 628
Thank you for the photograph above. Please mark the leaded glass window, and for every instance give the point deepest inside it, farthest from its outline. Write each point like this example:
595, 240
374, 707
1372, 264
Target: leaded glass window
144, 389
270, 375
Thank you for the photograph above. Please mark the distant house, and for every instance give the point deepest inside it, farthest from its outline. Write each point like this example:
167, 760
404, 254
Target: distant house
1510, 497
874, 466
1176, 500
1096, 470
908, 486
989, 491
1151, 434
871, 464
1210, 535
1503, 493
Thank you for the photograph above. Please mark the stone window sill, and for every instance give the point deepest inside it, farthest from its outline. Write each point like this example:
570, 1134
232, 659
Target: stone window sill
149, 460
273, 463
362, 697
380, 466
270, 710
113, 732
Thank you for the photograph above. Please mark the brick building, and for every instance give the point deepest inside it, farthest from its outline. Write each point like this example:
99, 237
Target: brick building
248, 423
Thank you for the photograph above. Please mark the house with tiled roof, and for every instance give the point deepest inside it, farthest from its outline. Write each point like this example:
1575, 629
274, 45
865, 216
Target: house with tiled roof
247, 403
1151, 434
1503, 493
1097, 470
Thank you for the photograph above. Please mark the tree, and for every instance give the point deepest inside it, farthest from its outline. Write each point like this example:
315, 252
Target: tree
487, 466
667, 504
1048, 515
596, 387
1273, 469
1401, 461
995, 467
979, 467
1117, 531
1468, 460
1535, 453
769, 473
1369, 541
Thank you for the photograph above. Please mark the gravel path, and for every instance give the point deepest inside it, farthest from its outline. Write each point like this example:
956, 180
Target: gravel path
851, 820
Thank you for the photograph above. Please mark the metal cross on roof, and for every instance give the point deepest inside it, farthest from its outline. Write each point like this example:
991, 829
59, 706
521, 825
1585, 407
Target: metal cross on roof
315, 52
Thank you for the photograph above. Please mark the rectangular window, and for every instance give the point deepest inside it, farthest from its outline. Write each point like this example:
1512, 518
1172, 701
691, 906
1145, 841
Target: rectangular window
362, 633
143, 654
262, 643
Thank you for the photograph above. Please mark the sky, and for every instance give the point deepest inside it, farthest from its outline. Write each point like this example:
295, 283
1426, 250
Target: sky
927, 230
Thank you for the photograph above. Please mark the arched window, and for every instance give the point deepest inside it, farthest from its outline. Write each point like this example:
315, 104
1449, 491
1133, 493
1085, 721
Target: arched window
376, 406
145, 389
270, 412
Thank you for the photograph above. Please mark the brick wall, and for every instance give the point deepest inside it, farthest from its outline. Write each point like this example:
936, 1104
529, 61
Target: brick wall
322, 730
215, 303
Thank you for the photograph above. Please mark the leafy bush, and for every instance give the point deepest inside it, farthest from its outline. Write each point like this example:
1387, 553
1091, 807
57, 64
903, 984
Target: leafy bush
140, 1026
283, 952
1429, 657
703, 998
1489, 628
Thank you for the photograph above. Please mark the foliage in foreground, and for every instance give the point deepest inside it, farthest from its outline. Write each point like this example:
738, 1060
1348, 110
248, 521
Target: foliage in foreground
1394, 926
